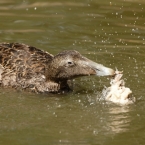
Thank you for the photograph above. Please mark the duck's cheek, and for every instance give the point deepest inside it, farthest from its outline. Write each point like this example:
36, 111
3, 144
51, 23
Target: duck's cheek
83, 72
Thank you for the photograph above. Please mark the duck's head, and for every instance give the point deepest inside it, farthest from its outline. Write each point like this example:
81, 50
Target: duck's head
71, 64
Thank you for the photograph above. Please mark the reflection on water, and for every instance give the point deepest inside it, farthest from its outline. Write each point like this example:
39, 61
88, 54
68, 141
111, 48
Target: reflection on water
111, 33
119, 119
49, 4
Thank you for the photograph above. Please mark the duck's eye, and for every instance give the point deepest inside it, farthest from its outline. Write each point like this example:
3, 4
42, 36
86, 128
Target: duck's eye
70, 62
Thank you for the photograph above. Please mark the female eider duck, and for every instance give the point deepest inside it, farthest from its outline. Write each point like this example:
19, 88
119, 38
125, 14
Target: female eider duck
26, 67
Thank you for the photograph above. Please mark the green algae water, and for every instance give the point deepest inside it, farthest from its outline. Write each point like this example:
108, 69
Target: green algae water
108, 32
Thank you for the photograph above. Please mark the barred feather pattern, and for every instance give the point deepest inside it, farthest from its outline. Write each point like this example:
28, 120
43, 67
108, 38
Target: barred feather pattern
24, 66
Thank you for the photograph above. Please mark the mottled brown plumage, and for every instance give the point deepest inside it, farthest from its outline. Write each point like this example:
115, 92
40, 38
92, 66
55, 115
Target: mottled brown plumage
23, 66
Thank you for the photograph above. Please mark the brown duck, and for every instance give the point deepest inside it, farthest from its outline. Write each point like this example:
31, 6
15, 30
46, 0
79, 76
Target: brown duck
26, 67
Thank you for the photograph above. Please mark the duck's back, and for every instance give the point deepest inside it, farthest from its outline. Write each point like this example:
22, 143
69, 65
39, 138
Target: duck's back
21, 62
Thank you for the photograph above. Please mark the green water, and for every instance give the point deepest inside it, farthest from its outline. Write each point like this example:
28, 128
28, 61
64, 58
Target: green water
108, 32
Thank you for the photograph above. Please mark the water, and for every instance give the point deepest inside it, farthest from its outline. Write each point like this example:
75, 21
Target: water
108, 32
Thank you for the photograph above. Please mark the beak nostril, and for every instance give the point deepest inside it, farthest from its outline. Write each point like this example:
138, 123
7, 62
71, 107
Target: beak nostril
97, 69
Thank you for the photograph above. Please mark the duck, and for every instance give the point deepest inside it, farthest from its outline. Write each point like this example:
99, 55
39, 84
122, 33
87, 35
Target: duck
29, 68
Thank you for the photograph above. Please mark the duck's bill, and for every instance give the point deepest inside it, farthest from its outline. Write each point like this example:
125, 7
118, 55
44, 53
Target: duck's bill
104, 71
100, 70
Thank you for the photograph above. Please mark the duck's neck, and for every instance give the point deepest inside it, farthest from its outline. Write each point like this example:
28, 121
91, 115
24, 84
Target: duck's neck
58, 85
51, 76
64, 87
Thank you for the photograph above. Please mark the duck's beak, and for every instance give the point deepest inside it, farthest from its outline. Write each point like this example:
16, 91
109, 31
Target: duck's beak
104, 71
99, 69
